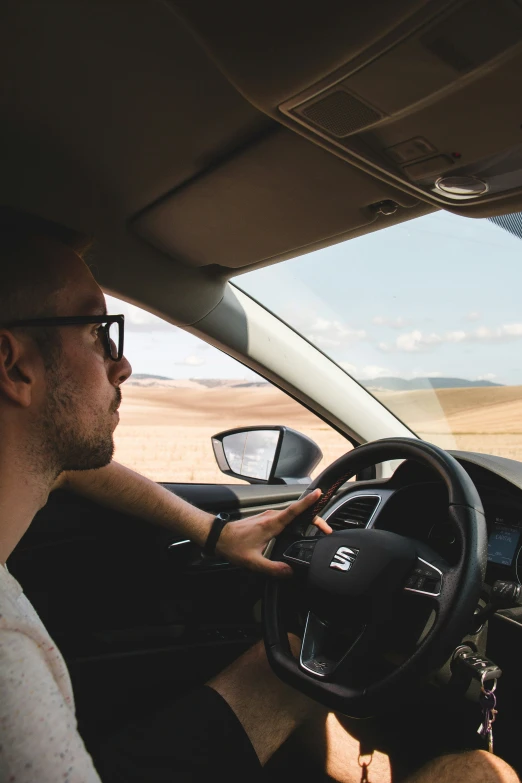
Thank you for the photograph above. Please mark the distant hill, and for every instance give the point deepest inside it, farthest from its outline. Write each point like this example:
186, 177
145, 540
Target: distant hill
413, 384
212, 383
140, 376
145, 380
387, 383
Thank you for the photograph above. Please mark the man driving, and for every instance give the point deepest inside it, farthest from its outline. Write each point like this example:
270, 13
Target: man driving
61, 370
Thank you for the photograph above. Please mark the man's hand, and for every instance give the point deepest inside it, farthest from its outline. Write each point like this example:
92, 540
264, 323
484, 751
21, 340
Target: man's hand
244, 541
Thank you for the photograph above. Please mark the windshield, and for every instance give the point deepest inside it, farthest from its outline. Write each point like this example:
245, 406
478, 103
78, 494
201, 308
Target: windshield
426, 315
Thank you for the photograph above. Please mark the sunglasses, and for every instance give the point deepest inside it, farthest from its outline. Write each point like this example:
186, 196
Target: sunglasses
112, 328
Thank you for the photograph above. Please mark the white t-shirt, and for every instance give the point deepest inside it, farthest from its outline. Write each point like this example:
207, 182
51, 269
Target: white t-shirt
39, 741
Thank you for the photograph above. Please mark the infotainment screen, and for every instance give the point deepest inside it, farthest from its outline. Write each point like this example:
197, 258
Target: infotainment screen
502, 545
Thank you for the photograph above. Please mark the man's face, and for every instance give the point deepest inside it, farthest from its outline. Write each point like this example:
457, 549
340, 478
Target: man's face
78, 414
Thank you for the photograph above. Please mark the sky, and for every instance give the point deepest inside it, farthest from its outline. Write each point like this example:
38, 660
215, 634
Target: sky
436, 296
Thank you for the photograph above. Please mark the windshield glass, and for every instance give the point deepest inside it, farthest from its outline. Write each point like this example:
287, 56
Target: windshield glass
426, 315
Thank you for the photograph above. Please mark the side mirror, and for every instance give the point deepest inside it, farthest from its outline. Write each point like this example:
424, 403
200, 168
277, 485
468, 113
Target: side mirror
266, 455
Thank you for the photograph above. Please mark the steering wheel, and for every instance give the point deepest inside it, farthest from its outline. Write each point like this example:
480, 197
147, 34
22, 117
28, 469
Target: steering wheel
382, 610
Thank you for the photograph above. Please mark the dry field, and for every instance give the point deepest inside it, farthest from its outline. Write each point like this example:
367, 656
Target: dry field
485, 419
165, 431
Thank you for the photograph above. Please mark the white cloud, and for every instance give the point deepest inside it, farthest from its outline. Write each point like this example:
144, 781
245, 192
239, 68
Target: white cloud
474, 315
324, 332
489, 376
458, 336
321, 325
136, 319
510, 330
192, 361
393, 323
417, 341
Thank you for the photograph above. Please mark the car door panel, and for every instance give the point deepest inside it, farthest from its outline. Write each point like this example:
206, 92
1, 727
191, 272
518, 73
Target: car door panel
139, 620
89, 569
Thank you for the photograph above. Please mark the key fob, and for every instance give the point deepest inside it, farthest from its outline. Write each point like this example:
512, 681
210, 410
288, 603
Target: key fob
480, 667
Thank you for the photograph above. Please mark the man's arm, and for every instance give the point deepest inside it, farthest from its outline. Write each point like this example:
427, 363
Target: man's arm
241, 542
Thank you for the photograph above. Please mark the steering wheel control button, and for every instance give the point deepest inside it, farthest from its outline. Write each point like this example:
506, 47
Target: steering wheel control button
301, 552
425, 579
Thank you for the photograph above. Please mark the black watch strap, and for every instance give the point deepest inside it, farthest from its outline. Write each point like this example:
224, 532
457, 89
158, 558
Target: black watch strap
209, 549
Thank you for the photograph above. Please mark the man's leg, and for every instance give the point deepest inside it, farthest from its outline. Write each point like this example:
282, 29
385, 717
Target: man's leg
342, 755
268, 710
475, 766
196, 739
227, 729
344, 762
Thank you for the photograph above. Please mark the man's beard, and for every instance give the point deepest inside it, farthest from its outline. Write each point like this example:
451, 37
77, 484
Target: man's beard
66, 440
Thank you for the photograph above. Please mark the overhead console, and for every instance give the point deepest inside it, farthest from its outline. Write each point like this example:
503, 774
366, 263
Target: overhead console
439, 110
277, 194
432, 106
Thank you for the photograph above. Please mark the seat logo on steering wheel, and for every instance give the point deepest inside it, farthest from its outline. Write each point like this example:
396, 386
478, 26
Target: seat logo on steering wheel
344, 558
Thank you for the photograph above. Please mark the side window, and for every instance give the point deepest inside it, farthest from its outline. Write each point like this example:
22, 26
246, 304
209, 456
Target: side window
183, 391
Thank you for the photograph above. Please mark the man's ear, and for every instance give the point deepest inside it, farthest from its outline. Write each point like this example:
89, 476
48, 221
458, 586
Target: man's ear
18, 369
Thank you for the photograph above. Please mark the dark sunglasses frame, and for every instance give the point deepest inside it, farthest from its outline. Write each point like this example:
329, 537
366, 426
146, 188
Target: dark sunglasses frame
77, 320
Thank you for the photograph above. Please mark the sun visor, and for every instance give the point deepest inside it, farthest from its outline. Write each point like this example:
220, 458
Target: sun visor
277, 195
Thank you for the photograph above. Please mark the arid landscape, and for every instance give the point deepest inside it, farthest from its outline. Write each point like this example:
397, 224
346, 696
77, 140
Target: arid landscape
484, 419
166, 426
165, 430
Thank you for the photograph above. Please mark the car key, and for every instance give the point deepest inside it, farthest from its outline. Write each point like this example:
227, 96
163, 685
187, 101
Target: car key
488, 703
480, 667
487, 673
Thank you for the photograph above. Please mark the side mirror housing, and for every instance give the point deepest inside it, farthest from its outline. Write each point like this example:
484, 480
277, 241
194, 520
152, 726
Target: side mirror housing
266, 455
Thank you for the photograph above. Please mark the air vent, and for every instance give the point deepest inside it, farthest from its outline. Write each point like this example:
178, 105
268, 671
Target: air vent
355, 512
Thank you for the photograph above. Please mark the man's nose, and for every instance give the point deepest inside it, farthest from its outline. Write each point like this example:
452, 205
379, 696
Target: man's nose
120, 371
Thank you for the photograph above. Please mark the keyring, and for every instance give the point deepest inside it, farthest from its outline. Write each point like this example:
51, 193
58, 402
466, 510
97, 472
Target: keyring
489, 690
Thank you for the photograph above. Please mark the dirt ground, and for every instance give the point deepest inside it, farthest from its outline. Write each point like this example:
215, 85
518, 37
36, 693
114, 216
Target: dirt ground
165, 432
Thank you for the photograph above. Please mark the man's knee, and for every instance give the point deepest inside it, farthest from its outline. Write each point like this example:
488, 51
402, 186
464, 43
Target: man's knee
474, 766
492, 767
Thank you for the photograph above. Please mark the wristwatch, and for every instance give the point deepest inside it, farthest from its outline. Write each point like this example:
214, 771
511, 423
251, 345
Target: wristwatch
219, 522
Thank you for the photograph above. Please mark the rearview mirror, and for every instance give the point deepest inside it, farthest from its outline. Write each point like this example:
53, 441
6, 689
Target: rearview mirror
266, 455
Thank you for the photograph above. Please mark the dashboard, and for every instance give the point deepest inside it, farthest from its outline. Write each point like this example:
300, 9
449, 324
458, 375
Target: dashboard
413, 502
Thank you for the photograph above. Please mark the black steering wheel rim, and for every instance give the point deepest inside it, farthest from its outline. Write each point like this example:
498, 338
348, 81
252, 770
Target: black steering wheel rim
459, 595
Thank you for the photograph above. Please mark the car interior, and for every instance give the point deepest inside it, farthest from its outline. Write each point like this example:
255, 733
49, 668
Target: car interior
198, 141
